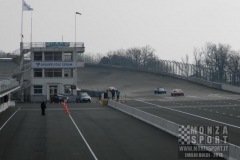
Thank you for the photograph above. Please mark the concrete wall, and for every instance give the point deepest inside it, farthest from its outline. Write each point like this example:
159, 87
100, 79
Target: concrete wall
230, 88
4, 106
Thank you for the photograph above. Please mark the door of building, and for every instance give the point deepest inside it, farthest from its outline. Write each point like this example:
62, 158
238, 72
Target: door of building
53, 90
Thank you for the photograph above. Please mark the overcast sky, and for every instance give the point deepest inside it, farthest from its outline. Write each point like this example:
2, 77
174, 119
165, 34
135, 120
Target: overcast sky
172, 27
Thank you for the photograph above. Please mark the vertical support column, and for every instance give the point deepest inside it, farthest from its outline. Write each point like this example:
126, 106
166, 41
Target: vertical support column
75, 71
21, 74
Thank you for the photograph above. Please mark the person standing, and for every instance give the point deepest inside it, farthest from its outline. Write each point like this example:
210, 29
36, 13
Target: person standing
113, 94
43, 107
118, 94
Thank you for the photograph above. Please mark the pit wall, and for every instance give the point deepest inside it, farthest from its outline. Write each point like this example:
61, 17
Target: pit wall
165, 125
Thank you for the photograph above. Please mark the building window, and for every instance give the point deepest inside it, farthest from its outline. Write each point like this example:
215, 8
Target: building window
53, 72
37, 56
53, 56
37, 89
68, 72
67, 89
67, 57
37, 72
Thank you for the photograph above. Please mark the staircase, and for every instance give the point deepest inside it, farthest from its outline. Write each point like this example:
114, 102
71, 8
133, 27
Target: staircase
22, 71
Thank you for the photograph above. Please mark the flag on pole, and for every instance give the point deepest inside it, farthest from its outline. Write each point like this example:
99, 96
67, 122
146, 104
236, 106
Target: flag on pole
26, 7
78, 13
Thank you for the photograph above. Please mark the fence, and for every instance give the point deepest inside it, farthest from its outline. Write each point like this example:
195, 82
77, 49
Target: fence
204, 72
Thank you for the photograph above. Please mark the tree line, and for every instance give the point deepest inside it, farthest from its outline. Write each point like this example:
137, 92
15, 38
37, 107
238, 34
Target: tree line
133, 57
6, 55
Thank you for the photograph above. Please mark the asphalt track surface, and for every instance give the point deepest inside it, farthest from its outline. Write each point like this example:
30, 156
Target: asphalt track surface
90, 131
196, 113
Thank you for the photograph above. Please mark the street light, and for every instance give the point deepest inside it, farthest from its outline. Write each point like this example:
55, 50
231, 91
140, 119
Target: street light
75, 25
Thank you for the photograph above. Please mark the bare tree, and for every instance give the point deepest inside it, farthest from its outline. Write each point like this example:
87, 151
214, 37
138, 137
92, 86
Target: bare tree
216, 60
234, 68
185, 66
198, 58
147, 54
135, 55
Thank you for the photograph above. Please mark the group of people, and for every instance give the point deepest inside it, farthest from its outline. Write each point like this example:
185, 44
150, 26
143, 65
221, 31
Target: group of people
114, 93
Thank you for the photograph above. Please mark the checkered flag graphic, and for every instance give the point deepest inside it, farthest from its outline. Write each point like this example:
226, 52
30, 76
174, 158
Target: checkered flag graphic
184, 135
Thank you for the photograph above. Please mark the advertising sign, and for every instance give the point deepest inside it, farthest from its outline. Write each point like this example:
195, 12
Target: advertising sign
203, 142
53, 65
57, 44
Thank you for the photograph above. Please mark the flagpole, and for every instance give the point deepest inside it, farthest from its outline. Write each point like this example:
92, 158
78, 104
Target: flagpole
31, 30
22, 24
76, 26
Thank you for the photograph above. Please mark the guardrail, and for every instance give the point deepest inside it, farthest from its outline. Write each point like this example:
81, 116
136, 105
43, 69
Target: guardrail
165, 125
8, 84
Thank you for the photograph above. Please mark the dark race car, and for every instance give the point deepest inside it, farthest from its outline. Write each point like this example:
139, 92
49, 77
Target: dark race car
160, 91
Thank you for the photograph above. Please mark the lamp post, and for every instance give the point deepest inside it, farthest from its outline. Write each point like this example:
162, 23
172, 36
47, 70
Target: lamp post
75, 25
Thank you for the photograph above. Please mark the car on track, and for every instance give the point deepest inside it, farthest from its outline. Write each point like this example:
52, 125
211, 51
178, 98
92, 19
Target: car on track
83, 97
160, 91
59, 98
177, 92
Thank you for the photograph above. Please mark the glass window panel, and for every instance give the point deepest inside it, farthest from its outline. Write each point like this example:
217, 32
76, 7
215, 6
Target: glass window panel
37, 56
57, 56
48, 56
67, 57
68, 72
37, 72
53, 72
37, 89
48, 73
57, 72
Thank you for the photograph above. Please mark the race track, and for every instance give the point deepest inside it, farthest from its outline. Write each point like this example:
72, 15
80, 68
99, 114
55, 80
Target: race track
93, 131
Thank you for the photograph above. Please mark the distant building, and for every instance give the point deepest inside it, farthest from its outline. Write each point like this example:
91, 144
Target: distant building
53, 69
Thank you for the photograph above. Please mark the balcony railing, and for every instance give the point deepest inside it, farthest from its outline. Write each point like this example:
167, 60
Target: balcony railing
44, 44
8, 84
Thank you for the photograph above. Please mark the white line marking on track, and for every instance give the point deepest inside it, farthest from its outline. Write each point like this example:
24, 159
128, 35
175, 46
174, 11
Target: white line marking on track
83, 138
191, 114
9, 119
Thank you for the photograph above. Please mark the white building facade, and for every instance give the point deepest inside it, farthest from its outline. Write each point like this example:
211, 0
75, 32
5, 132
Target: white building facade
53, 69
